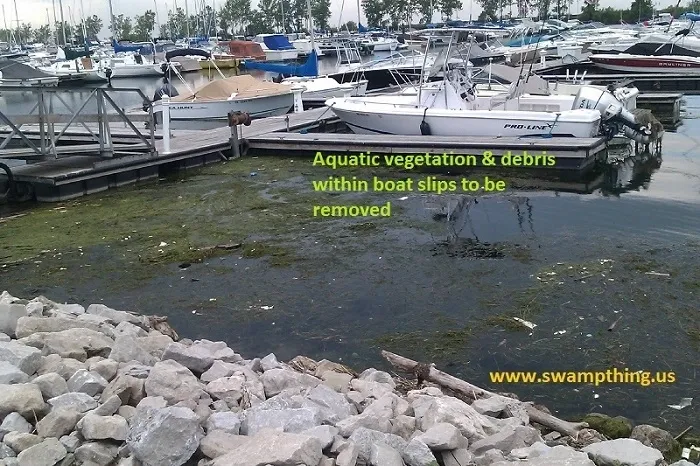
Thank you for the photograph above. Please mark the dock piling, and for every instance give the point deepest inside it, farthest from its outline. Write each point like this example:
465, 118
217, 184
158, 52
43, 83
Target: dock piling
165, 104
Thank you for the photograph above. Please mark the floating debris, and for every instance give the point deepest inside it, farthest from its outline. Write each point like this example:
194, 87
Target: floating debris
685, 402
524, 322
560, 332
162, 244
658, 274
266, 308
612, 326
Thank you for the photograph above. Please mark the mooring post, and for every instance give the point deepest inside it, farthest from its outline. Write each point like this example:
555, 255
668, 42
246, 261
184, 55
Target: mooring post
298, 102
234, 120
165, 105
235, 145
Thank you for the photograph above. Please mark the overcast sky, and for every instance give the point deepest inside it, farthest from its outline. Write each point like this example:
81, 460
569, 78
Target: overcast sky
35, 11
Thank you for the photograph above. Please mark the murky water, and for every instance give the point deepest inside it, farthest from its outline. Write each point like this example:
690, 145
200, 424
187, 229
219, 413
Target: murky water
621, 250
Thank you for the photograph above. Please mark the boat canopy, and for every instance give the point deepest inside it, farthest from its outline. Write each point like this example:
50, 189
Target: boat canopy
243, 87
73, 53
277, 42
185, 52
692, 17
125, 48
309, 68
246, 49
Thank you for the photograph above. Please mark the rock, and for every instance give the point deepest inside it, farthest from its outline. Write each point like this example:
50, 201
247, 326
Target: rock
127, 328
96, 453
94, 427
164, 437
65, 367
491, 457
90, 383
127, 348
507, 439
229, 389
107, 368
325, 461
127, 412
459, 457
134, 369
173, 382
34, 309
270, 362
57, 423
79, 402
492, 406
25, 358
443, 436
152, 402
225, 422
10, 374
273, 447
75, 309
24, 398
47, 453
683, 463
115, 316
129, 389
9, 314
217, 443
76, 343
14, 422
289, 420
218, 370
403, 426
334, 405
611, 427
340, 382
430, 410
384, 455
623, 452
28, 326
348, 455
370, 388
276, 380
417, 453
19, 441
199, 356
324, 434
70, 442
155, 344
4, 337
108, 407
559, 455
657, 438
365, 438
51, 385
374, 375
536, 449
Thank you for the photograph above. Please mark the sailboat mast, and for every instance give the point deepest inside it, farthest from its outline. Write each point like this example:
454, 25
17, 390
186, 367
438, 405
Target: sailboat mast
63, 23
284, 29
359, 12
4, 20
55, 30
187, 20
19, 36
311, 25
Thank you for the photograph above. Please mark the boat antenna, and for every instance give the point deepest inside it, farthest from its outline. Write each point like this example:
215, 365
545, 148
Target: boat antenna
422, 70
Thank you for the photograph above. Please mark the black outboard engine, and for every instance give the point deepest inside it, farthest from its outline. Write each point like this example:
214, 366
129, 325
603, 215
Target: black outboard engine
614, 116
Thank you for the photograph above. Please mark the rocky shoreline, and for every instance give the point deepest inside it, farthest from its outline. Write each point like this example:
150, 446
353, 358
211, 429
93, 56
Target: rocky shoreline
98, 386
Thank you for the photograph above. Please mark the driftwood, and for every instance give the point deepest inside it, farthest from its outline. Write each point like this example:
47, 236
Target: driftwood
161, 324
465, 388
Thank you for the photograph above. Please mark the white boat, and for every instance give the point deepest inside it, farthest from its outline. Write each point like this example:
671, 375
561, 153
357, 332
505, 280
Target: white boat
14, 73
235, 94
320, 89
648, 63
129, 66
276, 47
303, 44
384, 44
83, 69
453, 108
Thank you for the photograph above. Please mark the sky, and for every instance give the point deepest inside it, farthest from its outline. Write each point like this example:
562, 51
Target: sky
35, 11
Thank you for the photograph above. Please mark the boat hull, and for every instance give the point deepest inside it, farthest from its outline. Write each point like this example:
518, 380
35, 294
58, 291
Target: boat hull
648, 64
257, 107
281, 55
407, 120
136, 71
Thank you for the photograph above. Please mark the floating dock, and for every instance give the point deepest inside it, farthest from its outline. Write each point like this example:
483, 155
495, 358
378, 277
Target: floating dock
94, 156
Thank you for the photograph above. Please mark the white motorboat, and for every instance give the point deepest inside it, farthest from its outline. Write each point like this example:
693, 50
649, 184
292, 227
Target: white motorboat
84, 69
276, 47
384, 44
303, 44
648, 63
235, 94
452, 107
131, 66
320, 89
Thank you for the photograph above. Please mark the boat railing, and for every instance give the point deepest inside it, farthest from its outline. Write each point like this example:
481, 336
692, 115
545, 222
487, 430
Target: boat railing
49, 128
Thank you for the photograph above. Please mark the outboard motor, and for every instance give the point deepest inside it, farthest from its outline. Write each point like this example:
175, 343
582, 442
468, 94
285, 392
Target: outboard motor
614, 115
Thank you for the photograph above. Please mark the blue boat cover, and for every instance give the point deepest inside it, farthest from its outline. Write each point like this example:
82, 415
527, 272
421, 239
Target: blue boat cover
125, 48
277, 42
692, 17
310, 68
361, 28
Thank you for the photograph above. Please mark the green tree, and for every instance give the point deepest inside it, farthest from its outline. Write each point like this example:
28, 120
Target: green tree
300, 15
163, 31
425, 8
448, 7
489, 9
400, 11
270, 11
375, 11
350, 26
257, 23
43, 34
321, 12
93, 26
236, 12
640, 10
145, 24
177, 23
25, 32
122, 27
59, 32
224, 26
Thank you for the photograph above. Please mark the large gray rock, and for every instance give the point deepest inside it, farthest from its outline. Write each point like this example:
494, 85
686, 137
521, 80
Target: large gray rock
65, 367
20, 441
325, 434
365, 438
127, 328
76, 343
225, 422
417, 453
431, 410
384, 455
289, 420
462, 456
403, 426
114, 315
507, 439
10, 374
373, 375
79, 402
623, 452
95, 427
23, 398
107, 368
47, 453
443, 436
276, 380
376, 416
108, 407
96, 453
28, 326
273, 447
9, 314
57, 423
199, 356
14, 422
155, 344
127, 348
129, 389
656, 438
51, 385
348, 455
335, 406
90, 383
24, 357
71, 441
559, 455
217, 443
229, 389
173, 381
218, 370
164, 437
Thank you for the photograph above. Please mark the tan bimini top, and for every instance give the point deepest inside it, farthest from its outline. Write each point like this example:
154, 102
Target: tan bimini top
243, 87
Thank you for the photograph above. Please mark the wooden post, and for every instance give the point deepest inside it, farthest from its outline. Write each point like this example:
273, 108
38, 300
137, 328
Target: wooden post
165, 105
235, 143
